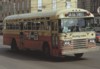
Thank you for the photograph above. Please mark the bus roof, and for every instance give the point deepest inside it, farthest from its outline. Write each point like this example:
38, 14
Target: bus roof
43, 14
30, 15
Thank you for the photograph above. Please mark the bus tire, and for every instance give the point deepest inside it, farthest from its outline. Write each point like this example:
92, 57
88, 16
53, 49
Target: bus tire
14, 45
46, 49
78, 55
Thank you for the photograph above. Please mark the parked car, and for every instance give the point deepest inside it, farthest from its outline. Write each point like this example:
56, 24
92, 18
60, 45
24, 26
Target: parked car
97, 37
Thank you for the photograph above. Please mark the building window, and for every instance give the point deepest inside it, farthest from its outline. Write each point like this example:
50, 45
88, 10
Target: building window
27, 4
68, 4
18, 6
54, 6
14, 4
39, 5
23, 4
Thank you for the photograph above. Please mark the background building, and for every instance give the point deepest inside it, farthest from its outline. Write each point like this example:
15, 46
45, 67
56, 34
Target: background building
48, 5
11, 7
92, 6
0, 10
1, 14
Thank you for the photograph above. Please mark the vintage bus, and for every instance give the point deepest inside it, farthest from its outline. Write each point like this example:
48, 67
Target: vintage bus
55, 33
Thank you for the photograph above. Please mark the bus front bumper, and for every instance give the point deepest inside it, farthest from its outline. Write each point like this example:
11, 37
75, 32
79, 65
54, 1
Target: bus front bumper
75, 51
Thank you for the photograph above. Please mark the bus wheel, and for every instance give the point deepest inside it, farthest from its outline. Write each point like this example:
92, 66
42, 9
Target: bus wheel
78, 55
46, 50
14, 45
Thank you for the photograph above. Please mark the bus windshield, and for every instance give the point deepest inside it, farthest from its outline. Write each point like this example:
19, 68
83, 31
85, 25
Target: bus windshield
76, 24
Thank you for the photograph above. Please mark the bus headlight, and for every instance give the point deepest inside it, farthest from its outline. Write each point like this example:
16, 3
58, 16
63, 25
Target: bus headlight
66, 43
92, 41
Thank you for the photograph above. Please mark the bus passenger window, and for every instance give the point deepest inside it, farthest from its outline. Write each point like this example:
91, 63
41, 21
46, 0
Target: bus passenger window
13, 26
7, 26
56, 26
25, 26
10, 26
21, 26
33, 26
37, 26
17, 26
42, 25
52, 26
29, 26
46, 26
49, 25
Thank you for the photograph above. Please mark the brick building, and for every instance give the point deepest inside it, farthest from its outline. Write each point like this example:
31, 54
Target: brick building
90, 5
47, 5
11, 7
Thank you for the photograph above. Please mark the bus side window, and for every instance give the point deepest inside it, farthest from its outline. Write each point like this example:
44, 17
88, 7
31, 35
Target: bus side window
46, 25
7, 26
33, 26
13, 26
10, 26
17, 26
49, 25
55, 26
52, 25
21, 26
37, 25
29, 26
25, 26
42, 25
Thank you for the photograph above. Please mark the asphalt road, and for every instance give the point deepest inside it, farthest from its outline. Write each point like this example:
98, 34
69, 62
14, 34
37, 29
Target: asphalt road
33, 60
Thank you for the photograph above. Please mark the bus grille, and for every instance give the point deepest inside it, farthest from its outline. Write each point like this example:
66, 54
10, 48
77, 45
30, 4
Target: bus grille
79, 43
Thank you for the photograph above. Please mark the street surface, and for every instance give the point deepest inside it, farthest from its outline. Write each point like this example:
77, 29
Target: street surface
28, 60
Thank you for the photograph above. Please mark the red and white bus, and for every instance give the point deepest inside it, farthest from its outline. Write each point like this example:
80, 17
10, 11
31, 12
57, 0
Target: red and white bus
55, 33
